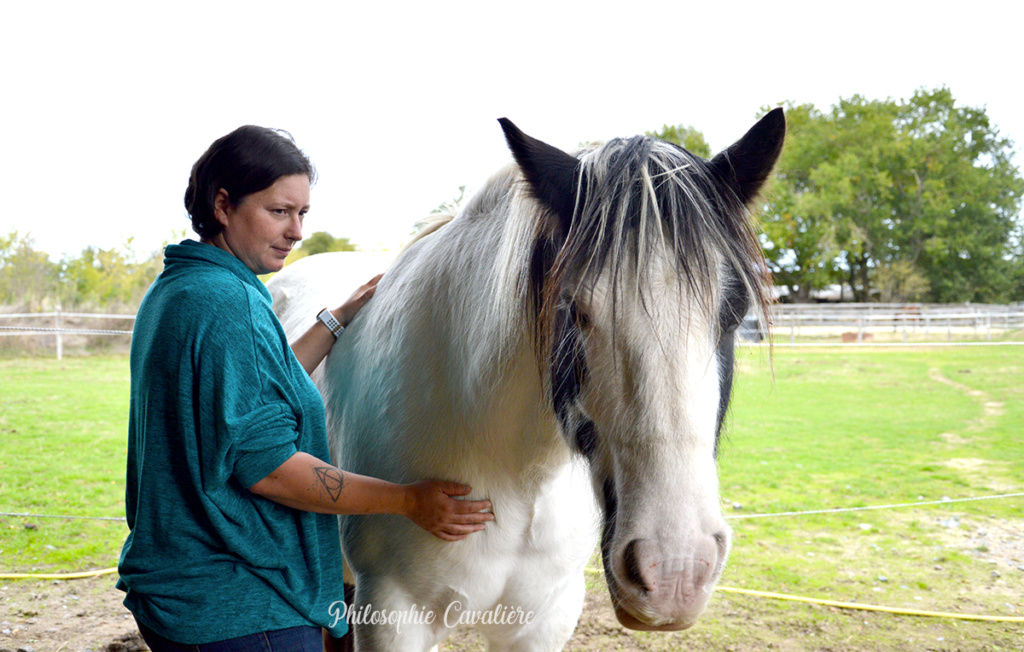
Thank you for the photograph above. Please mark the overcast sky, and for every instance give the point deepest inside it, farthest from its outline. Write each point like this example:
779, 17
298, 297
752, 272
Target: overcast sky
107, 105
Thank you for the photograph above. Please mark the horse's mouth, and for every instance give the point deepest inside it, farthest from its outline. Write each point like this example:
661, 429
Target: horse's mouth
629, 621
629, 613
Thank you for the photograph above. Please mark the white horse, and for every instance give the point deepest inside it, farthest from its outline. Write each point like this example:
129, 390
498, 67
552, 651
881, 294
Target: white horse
568, 336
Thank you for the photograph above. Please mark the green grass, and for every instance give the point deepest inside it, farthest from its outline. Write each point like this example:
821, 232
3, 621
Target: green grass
63, 438
827, 428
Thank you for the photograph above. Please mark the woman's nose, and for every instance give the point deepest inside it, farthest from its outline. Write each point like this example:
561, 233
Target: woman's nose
294, 231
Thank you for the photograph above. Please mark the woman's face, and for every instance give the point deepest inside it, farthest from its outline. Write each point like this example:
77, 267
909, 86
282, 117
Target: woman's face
262, 228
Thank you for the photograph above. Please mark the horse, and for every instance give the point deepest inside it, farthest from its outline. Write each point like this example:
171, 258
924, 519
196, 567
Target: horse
564, 345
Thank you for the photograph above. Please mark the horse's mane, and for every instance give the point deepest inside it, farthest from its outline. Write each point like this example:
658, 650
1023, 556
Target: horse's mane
428, 225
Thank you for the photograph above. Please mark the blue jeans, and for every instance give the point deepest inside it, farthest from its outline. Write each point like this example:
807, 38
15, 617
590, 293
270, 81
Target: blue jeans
293, 639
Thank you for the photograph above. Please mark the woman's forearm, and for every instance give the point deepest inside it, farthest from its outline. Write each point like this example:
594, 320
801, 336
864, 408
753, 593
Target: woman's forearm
309, 484
313, 346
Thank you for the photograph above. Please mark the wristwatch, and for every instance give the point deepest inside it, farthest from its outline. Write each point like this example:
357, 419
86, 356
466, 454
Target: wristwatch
332, 324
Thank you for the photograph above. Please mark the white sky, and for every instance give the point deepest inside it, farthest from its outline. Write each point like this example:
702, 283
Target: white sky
107, 105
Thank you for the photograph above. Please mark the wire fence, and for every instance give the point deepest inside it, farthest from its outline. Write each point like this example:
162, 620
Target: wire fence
57, 326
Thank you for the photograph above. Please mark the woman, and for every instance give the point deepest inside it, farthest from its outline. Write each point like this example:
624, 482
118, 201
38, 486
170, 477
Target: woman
229, 486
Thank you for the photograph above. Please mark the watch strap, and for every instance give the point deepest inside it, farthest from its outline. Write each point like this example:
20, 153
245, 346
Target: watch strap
332, 324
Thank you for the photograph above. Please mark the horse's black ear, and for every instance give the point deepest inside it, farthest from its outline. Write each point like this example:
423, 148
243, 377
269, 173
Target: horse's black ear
553, 175
746, 164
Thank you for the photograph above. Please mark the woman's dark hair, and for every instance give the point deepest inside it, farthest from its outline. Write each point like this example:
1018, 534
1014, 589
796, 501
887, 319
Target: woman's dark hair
247, 160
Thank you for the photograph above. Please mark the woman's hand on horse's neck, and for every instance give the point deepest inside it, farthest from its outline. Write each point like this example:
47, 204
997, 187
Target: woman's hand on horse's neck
309, 484
314, 345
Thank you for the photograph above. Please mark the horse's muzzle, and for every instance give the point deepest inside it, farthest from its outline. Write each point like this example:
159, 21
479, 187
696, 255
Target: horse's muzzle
665, 588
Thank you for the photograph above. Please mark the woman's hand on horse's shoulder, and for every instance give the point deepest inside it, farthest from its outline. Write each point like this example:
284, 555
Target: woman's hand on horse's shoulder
348, 310
433, 506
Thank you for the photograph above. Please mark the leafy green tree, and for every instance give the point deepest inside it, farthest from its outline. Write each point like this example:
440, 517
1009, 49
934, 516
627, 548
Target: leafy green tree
107, 277
957, 196
922, 192
322, 242
27, 276
685, 136
800, 240
318, 243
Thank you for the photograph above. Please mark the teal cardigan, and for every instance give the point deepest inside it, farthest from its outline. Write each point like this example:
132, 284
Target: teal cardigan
218, 401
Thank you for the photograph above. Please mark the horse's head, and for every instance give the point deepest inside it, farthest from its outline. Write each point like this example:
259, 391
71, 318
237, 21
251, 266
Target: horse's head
644, 267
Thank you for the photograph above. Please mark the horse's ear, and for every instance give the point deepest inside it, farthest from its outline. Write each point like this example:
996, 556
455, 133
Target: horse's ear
746, 164
553, 175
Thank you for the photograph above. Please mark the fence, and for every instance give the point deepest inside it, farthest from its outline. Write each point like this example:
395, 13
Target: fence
58, 329
846, 323
858, 322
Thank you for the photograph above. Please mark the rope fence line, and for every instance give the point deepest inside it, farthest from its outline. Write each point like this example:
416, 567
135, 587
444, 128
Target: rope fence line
836, 510
839, 510
94, 518
17, 330
58, 330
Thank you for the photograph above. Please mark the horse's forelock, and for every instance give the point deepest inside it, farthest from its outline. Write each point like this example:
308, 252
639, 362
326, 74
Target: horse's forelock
644, 199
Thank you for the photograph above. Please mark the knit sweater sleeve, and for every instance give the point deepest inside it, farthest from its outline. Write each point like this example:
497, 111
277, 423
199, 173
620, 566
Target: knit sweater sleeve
246, 390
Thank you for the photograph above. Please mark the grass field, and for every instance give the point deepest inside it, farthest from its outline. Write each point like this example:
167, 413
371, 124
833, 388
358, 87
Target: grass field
826, 428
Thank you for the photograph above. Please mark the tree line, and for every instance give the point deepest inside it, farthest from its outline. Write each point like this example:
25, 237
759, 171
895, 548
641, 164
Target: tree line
108, 280
892, 200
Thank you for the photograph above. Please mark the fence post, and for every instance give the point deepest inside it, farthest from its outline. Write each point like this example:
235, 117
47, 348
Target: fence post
860, 330
60, 342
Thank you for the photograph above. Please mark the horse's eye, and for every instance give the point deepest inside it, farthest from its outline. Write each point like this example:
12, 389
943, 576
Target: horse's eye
582, 318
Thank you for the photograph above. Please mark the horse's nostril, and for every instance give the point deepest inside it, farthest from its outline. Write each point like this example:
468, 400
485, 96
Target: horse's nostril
722, 542
631, 565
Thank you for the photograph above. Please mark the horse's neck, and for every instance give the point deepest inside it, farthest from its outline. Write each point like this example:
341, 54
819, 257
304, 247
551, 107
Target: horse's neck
472, 394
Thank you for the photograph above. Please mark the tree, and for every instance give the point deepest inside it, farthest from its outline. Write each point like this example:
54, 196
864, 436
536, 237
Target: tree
800, 241
322, 242
318, 243
685, 136
957, 198
108, 276
27, 276
922, 192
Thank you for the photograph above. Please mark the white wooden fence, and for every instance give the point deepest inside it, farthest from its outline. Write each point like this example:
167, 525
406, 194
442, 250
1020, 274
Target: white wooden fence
858, 321
848, 322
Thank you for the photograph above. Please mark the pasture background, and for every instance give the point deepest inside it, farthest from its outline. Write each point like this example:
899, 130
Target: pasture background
833, 428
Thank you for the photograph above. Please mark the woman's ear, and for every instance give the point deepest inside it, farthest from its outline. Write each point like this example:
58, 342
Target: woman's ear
221, 206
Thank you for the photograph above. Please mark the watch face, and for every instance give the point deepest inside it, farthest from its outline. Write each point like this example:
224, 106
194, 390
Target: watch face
330, 322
